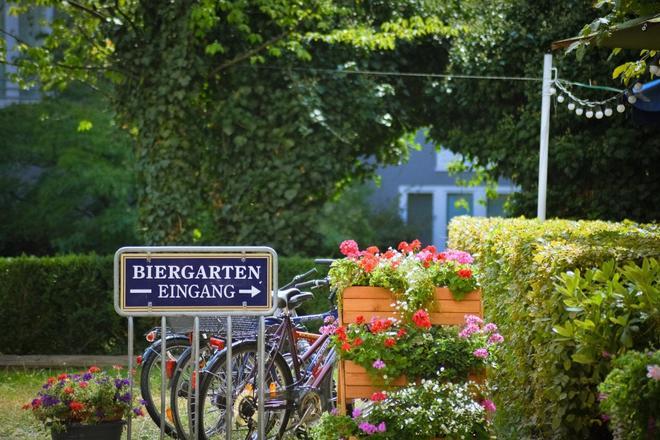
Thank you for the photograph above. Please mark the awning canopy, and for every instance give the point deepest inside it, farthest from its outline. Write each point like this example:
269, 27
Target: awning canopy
640, 33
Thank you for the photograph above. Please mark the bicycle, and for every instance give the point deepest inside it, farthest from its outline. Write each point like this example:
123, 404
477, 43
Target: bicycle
301, 386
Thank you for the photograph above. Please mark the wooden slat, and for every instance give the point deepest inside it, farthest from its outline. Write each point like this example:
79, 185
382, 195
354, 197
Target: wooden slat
358, 292
378, 305
448, 318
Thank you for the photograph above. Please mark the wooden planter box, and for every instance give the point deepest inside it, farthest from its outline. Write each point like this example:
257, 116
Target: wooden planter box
354, 382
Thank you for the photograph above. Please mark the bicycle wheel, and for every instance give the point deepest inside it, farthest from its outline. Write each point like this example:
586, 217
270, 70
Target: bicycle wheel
182, 390
212, 407
150, 377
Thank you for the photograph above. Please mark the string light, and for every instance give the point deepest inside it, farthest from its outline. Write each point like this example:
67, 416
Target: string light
597, 109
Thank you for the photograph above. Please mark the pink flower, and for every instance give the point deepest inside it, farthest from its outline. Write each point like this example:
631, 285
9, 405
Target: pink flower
473, 319
468, 331
495, 338
458, 256
488, 405
481, 353
349, 248
381, 427
601, 397
653, 372
378, 364
490, 328
357, 412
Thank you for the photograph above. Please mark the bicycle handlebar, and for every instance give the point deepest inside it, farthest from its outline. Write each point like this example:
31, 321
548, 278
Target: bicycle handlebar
299, 277
313, 283
327, 261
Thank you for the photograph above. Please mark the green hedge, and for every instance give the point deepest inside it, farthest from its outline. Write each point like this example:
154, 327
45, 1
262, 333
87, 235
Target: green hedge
541, 391
64, 305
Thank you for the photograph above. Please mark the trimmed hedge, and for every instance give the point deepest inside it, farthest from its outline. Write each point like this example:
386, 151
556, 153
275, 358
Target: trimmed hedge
541, 391
64, 305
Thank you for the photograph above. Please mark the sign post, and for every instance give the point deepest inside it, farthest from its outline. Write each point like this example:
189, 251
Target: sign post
196, 281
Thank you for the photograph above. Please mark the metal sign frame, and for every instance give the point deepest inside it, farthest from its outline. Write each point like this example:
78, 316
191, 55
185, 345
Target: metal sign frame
191, 251
196, 313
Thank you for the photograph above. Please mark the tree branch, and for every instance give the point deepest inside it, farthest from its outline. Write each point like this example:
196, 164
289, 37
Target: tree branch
90, 11
252, 52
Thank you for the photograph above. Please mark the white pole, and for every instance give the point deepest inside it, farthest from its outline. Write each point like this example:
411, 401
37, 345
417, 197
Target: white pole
545, 134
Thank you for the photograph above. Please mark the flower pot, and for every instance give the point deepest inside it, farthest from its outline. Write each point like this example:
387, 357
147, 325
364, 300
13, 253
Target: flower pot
354, 382
102, 431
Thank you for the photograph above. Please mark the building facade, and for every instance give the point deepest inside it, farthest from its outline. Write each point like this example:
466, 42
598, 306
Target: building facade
23, 29
428, 197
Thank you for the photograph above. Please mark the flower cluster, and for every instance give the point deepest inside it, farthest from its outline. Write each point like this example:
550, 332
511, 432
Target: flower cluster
434, 408
388, 348
89, 397
411, 272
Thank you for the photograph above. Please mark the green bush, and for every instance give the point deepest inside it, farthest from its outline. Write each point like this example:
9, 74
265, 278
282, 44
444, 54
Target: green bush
64, 305
631, 396
542, 392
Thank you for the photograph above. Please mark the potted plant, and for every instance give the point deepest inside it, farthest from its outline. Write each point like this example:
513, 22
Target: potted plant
88, 405
394, 286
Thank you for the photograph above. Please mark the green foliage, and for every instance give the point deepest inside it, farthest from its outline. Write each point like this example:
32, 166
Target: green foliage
631, 396
615, 13
598, 169
45, 302
64, 189
541, 391
238, 138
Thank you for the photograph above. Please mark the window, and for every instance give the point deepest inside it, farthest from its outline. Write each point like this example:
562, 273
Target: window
420, 215
495, 207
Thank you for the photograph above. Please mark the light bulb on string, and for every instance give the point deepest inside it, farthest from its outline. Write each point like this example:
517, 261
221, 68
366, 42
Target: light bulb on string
579, 111
599, 113
632, 99
571, 106
654, 70
621, 108
560, 99
608, 112
637, 87
589, 113
553, 90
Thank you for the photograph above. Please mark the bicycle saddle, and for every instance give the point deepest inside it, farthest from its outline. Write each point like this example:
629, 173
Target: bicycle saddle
292, 298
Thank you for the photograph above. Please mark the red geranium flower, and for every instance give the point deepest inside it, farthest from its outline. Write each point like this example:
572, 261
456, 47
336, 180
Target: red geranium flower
389, 254
76, 406
68, 390
368, 262
357, 342
465, 273
94, 369
402, 332
349, 248
346, 346
373, 250
378, 396
62, 376
359, 319
415, 245
83, 384
390, 342
421, 319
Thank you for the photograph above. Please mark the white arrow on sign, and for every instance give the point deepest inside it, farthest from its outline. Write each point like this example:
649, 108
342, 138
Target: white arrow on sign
251, 291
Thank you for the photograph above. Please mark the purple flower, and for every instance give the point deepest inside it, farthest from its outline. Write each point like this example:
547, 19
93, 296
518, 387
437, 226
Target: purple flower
378, 364
382, 427
495, 338
329, 319
481, 353
468, 330
473, 319
490, 328
87, 376
125, 397
368, 428
653, 372
49, 400
357, 412
122, 383
601, 397
334, 411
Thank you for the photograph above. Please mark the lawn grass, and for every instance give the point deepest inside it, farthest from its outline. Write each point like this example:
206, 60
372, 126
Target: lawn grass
19, 386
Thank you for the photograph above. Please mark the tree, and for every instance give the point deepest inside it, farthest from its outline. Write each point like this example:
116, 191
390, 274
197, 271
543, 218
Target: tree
598, 169
65, 186
237, 141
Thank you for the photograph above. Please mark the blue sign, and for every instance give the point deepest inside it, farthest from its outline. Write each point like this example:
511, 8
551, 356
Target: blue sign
199, 282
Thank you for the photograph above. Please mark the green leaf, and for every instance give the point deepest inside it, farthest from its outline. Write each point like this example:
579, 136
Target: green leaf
84, 125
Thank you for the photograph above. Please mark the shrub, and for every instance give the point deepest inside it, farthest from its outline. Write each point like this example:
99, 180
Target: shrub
630, 396
542, 391
46, 302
